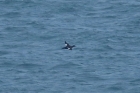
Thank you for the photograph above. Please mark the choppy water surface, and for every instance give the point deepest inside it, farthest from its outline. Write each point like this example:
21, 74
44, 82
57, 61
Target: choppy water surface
106, 58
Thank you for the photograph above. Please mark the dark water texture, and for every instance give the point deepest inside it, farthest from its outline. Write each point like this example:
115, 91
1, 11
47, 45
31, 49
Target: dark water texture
106, 58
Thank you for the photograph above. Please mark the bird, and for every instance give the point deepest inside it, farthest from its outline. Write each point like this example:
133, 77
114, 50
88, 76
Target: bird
67, 46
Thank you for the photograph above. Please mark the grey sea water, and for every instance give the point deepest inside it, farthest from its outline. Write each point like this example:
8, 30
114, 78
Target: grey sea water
106, 58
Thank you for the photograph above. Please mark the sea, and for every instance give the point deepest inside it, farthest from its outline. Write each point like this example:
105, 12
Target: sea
106, 58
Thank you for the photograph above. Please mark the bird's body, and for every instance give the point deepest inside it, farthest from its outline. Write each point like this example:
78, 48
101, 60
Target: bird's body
67, 46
